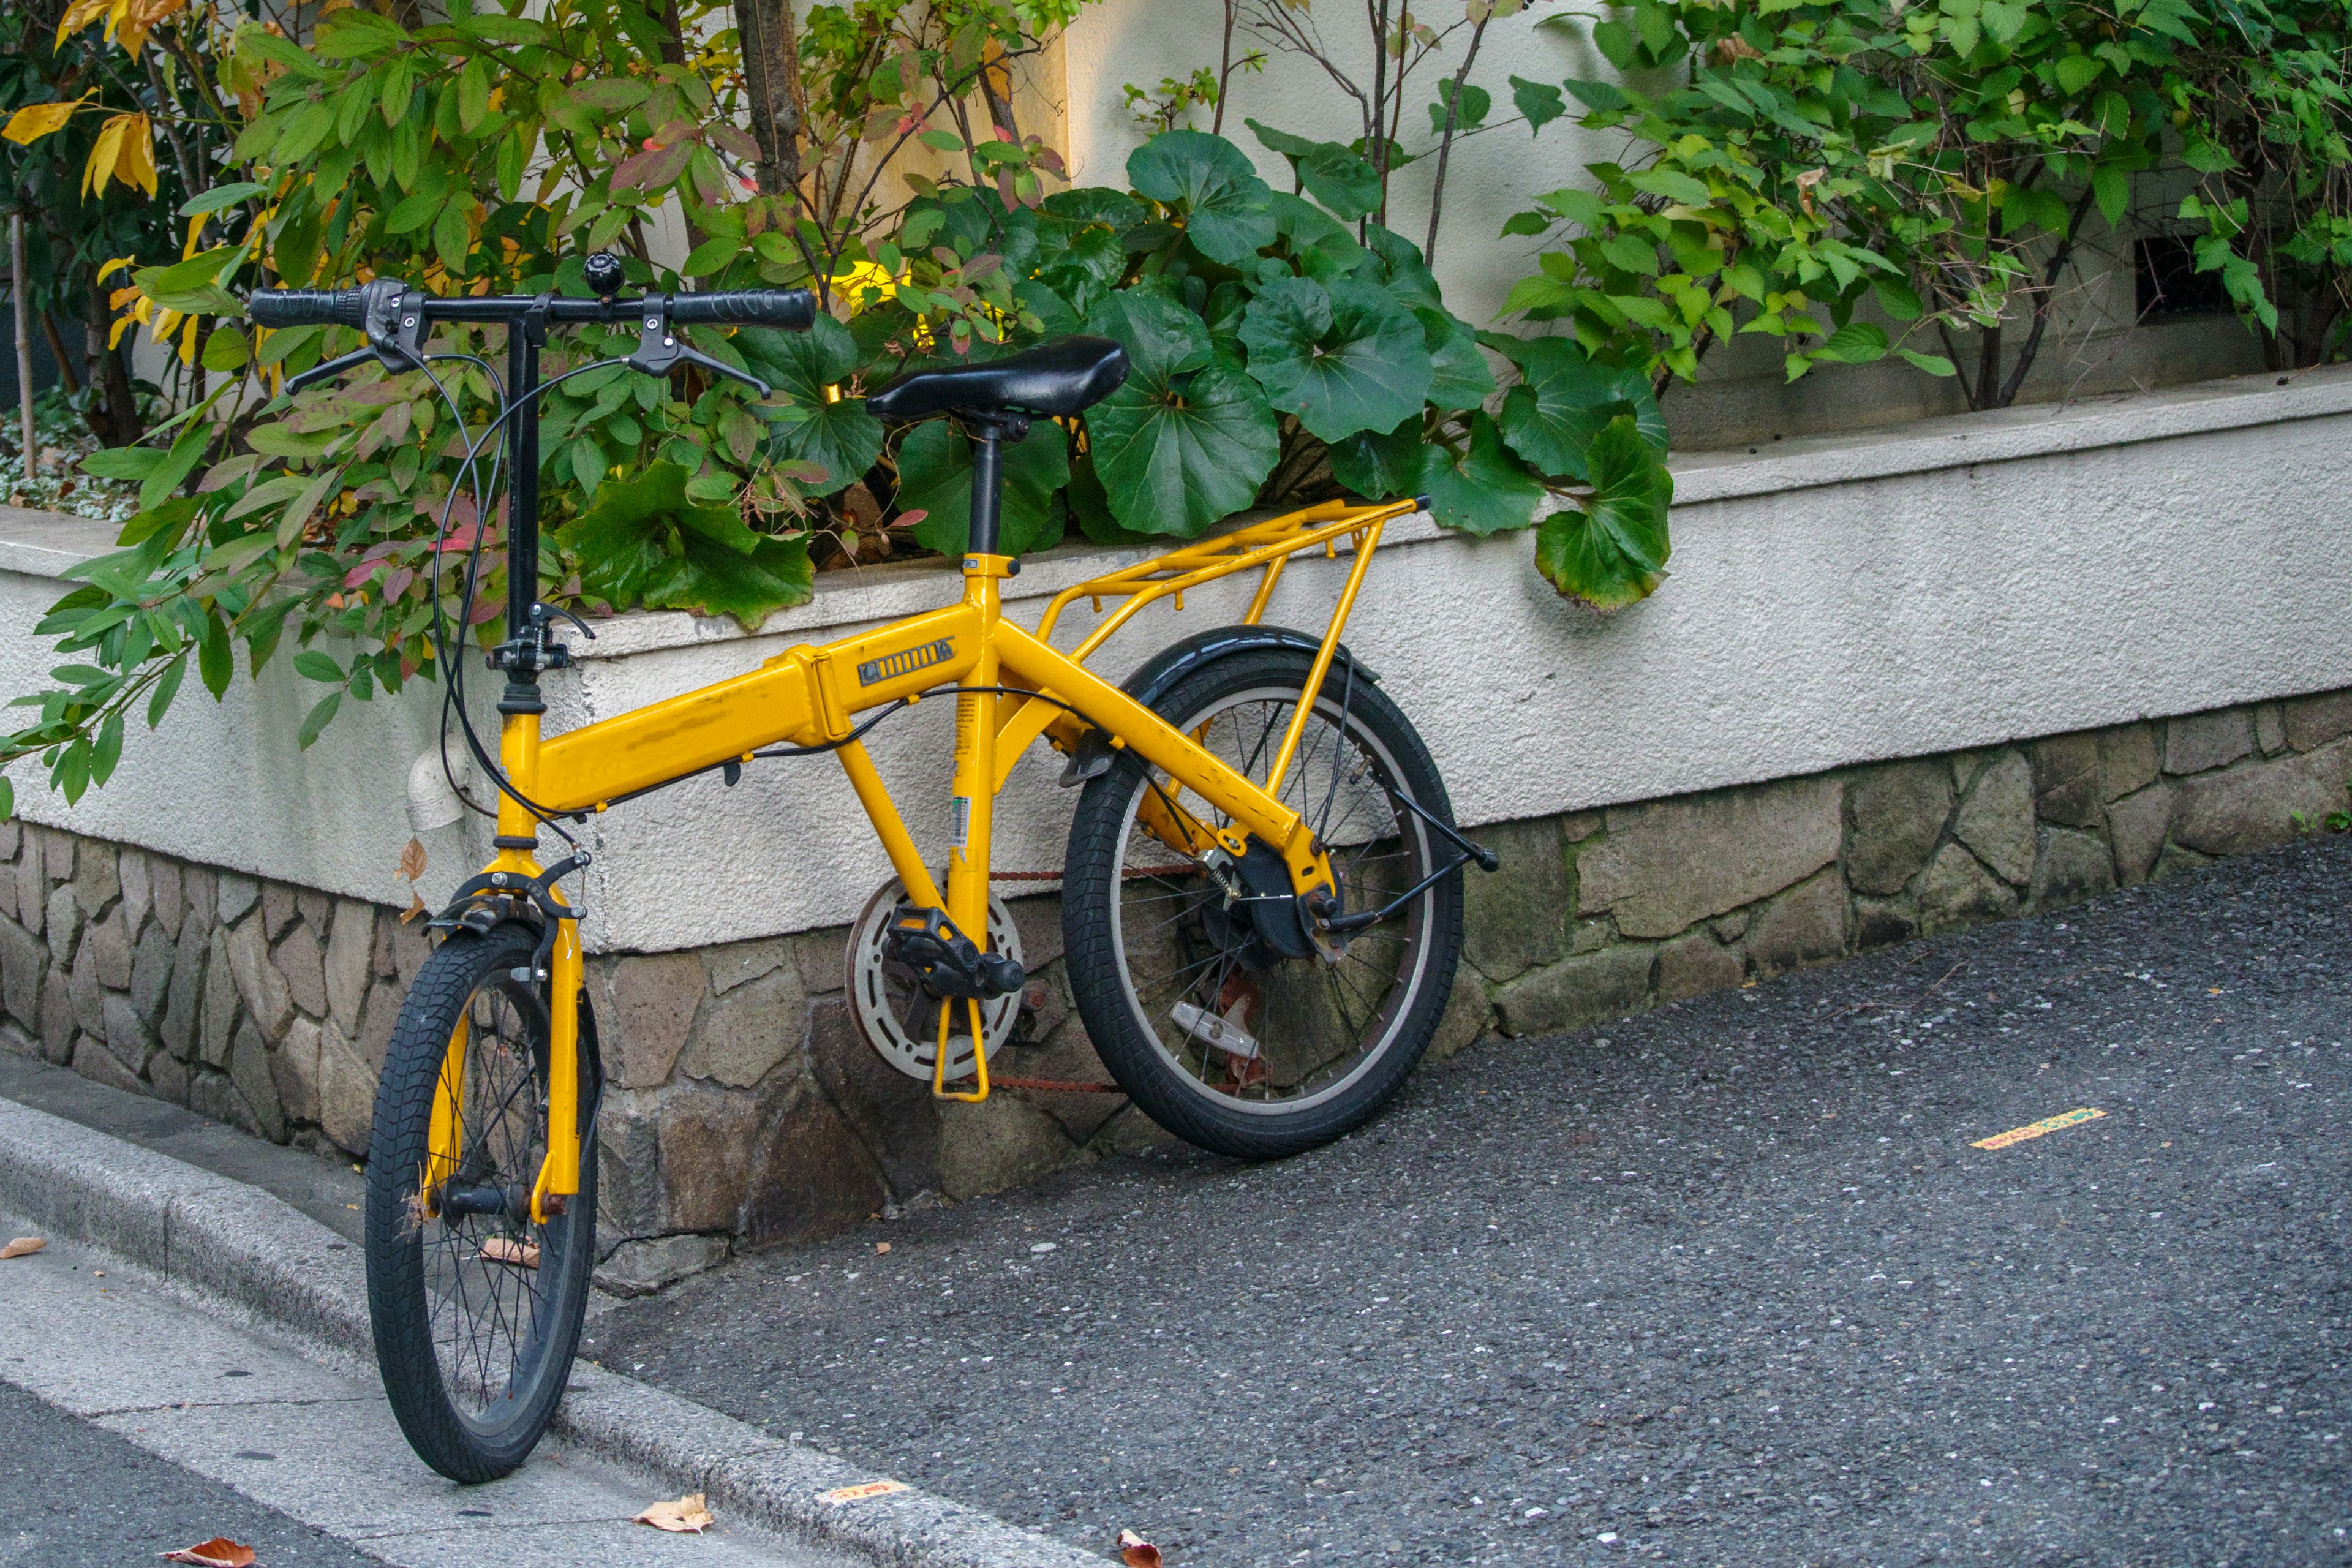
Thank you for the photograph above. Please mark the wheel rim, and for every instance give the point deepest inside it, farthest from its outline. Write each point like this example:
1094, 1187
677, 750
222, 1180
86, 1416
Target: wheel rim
492, 1281
1317, 1025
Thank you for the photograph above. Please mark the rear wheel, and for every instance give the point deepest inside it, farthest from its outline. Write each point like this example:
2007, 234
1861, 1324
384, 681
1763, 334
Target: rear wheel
475, 1306
1220, 1039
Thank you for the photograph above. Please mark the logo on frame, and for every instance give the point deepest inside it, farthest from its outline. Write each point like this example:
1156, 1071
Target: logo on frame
906, 662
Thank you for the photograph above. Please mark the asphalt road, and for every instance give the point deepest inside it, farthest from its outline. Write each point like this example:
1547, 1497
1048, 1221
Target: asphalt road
1724, 1284
80, 1497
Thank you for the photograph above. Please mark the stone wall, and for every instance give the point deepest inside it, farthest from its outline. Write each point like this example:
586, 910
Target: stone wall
744, 1110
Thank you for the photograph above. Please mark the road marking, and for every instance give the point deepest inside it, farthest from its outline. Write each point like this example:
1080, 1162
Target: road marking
2036, 1129
860, 1492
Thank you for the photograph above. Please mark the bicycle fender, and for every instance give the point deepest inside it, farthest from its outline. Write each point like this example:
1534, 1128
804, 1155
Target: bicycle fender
1159, 674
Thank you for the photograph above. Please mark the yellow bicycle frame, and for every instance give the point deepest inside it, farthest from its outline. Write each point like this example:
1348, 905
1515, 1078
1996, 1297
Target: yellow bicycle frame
807, 697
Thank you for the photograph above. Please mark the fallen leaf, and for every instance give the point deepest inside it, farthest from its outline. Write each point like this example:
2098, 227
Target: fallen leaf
505, 1249
220, 1551
686, 1516
22, 1246
416, 908
1136, 1551
412, 860
881, 1247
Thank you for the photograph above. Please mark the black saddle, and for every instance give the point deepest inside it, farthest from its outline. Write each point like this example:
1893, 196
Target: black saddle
1052, 380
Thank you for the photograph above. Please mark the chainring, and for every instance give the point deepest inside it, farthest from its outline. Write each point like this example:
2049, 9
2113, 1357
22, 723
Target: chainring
901, 1020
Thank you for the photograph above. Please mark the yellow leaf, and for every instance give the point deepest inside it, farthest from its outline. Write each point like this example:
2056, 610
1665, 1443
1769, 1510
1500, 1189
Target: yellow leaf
195, 232
136, 17
103, 157
188, 342
35, 121
80, 15
137, 167
687, 1514
117, 265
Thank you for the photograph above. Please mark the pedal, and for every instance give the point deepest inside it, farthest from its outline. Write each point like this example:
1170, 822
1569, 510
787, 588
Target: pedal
950, 962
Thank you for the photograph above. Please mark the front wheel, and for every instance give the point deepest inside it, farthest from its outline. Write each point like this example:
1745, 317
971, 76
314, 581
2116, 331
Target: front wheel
1209, 1028
475, 1306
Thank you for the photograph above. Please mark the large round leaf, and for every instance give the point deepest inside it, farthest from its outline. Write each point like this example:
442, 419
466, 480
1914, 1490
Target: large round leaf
1378, 465
1483, 490
1324, 248
644, 541
1219, 195
1160, 336
1565, 398
1178, 455
1343, 359
1614, 550
840, 437
1332, 172
935, 476
1460, 377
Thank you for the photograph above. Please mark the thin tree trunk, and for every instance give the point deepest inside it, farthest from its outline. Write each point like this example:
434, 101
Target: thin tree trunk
771, 71
58, 352
31, 446
1445, 143
1224, 71
1378, 126
110, 374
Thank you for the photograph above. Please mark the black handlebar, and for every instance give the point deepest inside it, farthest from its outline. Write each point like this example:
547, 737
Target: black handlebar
307, 307
792, 310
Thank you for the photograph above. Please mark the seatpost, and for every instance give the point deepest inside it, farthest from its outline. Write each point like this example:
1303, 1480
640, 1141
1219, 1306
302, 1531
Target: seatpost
987, 485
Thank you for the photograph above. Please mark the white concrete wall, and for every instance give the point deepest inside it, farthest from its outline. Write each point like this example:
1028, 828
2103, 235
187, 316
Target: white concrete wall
1956, 583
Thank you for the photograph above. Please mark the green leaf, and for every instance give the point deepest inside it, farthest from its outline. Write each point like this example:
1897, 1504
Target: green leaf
1469, 113
7, 798
1483, 491
1344, 359
1897, 298
159, 702
1460, 376
1614, 552
319, 719
1220, 199
1856, 342
178, 463
1178, 455
1378, 466
712, 255
2111, 188
473, 93
935, 476
108, 750
213, 663
221, 196
646, 541
1538, 102
712, 578
1162, 338
451, 238
2076, 72
841, 437
123, 462
318, 667
1565, 398
1934, 365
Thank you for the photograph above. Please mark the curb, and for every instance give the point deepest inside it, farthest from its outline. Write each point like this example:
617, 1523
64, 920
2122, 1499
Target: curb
236, 1244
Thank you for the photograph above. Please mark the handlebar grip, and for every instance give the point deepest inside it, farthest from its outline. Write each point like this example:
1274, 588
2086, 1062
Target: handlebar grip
307, 307
794, 310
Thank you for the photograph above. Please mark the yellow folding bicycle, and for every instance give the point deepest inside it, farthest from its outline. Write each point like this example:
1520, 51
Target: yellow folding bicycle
1261, 899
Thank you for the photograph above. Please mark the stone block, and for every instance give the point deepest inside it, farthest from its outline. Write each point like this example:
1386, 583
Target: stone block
96, 885
202, 887
628, 1165
167, 1078
150, 974
2254, 806
1898, 811
317, 909
217, 1019
61, 925
137, 893
2072, 866
1037, 917
380, 951
303, 967
22, 961
163, 882
2127, 758
2270, 729
1132, 1133
1958, 891
822, 958
109, 950
811, 1177
32, 888
998, 1144
2312, 722
8, 888
2198, 742
128, 1038
211, 1094
1997, 819
648, 1013
1592, 936
1577, 991
378, 1015
276, 908
2136, 828
2066, 779
1696, 964
12, 837
740, 962
1803, 926
707, 1135
750, 1032
641, 1267
1670, 863
2175, 861
88, 995
248, 1068
258, 985
294, 1069
1576, 826
346, 964
92, 1060
410, 949
1879, 922
1467, 1017
893, 1116
56, 1017
234, 894
183, 998
1067, 1056
346, 1092
1516, 919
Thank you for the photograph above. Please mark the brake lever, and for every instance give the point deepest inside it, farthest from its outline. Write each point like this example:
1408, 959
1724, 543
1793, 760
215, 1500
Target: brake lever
331, 368
396, 335
660, 350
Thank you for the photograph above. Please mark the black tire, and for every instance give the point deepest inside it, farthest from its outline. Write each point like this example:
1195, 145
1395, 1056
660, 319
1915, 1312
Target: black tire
1147, 931
475, 1348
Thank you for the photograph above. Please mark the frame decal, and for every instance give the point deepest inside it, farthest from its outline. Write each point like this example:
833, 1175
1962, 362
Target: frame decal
874, 671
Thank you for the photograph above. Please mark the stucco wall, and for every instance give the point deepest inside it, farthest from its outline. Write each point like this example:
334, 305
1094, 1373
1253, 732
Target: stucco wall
1957, 583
